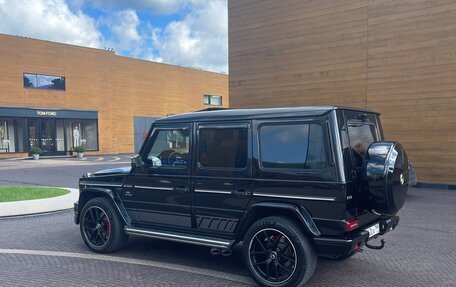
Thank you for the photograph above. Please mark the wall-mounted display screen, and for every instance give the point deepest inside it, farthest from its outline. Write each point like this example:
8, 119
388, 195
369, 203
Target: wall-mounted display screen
38, 81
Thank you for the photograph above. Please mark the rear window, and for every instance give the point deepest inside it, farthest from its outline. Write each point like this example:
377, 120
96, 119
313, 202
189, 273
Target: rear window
361, 135
292, 146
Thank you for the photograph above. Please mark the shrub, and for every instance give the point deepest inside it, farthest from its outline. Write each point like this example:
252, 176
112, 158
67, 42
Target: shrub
36, 150
79, 149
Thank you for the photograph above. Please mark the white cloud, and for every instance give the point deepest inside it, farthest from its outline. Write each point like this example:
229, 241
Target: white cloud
199, 40
48, 19
164, 7
124, 37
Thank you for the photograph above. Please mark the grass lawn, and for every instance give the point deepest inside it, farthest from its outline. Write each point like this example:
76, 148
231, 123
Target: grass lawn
16, 193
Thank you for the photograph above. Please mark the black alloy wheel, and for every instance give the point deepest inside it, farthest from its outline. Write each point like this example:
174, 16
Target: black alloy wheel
96, 225
273, 255
278, 252
101, 226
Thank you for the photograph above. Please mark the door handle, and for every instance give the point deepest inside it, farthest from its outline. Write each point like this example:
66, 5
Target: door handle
181, 189
241, 192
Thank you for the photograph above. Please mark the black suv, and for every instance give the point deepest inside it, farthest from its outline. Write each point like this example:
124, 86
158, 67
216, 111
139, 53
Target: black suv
290, 183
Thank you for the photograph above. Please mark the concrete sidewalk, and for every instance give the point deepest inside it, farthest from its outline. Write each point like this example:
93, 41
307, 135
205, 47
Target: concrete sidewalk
27, 207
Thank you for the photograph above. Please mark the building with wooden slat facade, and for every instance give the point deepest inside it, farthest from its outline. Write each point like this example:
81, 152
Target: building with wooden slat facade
394, 57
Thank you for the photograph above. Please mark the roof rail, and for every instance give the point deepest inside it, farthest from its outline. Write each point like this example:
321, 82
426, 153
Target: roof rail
212, 109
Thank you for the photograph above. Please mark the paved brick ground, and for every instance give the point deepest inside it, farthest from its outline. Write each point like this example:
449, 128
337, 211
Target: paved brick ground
420, 252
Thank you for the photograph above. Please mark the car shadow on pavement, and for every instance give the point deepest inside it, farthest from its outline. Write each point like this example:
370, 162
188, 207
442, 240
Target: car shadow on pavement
183, 254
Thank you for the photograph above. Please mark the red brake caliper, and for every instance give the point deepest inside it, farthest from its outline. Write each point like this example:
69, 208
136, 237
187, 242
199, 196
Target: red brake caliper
108, 226
272, 240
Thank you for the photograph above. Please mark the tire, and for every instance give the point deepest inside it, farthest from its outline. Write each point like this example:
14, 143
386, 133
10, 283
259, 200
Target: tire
269, 247
101, 227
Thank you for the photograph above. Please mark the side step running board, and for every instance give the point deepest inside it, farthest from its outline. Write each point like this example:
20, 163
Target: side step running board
181, 237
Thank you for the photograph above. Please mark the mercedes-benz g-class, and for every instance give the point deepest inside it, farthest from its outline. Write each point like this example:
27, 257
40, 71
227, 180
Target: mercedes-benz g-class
291, 184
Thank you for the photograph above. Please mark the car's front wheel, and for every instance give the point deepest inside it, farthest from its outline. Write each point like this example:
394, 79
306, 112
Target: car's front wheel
278, 253
101, 226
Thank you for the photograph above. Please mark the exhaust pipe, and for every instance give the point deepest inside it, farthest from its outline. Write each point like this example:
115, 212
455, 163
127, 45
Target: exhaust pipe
223, 252
216, 251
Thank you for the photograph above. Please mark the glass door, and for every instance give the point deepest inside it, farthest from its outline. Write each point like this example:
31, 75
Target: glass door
46, 134
60, 136
34, 133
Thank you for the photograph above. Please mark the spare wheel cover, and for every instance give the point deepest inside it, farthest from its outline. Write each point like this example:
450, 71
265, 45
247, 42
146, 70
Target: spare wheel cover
386, 171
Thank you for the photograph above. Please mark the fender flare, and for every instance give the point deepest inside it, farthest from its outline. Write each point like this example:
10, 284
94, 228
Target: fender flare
86, 195
298, 211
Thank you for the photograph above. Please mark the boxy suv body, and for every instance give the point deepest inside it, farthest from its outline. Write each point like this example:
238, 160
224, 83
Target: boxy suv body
290, 183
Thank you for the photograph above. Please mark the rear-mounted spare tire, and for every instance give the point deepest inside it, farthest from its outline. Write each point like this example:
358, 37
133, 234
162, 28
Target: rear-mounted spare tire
386, 177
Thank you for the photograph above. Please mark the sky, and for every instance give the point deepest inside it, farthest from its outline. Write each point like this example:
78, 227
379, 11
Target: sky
181, 32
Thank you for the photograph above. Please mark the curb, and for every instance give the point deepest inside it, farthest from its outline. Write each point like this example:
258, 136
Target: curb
41, 157
34, 214
37, 206
67, 156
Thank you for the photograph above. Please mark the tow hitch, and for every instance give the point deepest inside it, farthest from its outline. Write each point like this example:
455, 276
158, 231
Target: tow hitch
382, 244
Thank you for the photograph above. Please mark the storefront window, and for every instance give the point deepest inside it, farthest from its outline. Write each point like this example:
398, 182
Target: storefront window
89, 131
19, 125
82, 133
4, 138
60, 135
11, 135
55, 132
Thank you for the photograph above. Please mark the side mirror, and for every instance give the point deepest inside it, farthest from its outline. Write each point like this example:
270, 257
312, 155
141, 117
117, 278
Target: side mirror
136, 162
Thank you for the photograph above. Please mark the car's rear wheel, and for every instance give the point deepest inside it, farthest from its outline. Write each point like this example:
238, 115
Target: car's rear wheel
278, 253
101, 227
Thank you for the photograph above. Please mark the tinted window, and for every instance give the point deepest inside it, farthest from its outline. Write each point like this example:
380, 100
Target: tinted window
361, 135
223, 148
292, 146
44, 82
170, 149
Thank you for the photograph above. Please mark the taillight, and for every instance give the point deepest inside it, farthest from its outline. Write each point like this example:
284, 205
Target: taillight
351, 224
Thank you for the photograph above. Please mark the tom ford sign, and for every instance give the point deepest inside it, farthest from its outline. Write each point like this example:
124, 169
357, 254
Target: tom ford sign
46, 113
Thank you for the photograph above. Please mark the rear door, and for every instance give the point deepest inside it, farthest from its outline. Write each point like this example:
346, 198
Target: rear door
361, 129
223, 176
